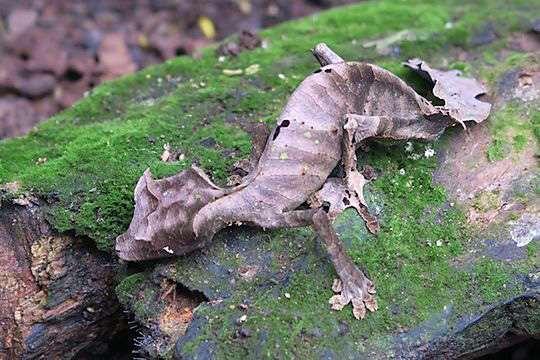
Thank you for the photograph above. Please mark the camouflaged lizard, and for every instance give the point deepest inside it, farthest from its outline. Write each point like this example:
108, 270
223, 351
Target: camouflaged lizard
332, 112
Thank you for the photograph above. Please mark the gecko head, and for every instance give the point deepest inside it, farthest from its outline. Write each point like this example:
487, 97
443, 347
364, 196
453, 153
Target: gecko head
163, 216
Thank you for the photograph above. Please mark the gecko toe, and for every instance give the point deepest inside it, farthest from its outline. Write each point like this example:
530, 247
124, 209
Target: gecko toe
358, 292
359, 309
338, 302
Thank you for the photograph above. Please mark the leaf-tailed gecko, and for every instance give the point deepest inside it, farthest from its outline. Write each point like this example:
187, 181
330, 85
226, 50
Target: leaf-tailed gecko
328, 116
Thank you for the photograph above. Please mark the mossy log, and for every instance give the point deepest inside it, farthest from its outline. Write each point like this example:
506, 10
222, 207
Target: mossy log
456, 263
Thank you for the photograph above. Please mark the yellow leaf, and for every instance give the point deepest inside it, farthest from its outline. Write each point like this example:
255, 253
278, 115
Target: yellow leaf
207, 27
245, 6
143, 42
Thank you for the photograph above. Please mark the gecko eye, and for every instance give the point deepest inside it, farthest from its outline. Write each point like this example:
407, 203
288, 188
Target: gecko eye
283, 124
317, 71
327, 70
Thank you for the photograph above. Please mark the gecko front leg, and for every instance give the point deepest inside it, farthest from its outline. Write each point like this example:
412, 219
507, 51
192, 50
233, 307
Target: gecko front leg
349, 191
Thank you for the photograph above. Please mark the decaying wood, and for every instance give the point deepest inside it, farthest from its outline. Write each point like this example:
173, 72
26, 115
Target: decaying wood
57, 295
328, 116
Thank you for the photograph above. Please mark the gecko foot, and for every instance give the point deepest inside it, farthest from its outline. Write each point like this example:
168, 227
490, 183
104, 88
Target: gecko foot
358, 291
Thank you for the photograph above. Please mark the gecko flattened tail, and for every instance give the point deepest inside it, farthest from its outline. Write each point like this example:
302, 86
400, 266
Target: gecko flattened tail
163, 217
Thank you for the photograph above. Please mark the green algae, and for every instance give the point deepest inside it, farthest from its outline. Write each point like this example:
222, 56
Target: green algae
139, 293
131, 285
514, 128
102, 142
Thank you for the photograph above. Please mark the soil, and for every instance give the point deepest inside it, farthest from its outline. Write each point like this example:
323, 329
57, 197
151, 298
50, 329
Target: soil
53, 51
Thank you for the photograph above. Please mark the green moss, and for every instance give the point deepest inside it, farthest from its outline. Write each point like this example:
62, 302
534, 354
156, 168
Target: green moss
533, 252
493, 73
97, 150
130, 286
514, 128
139, 293
102, 143
411, 261
497, 150
145, 308
490, 280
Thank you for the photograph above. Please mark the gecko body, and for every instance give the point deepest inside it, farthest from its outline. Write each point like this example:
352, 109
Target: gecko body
325, 120
306, 144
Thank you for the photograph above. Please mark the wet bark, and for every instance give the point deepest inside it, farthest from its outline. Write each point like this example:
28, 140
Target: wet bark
56, 292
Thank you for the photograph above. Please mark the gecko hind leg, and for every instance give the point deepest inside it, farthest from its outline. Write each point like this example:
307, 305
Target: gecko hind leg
349, 191
352, 286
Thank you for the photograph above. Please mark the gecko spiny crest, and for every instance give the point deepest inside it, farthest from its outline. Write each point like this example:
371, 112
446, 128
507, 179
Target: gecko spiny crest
326, 119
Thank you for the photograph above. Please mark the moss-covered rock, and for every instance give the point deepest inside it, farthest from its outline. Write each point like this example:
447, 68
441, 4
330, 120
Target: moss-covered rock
446, 260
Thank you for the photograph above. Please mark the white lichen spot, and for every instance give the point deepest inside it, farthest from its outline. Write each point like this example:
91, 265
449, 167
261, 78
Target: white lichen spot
252, 69
525, 229
282, 76
283, 156
168, 249
401, 171
287, 295
409, 146
317, 141
273, 148
429, 153
307, 134
414, 156
439, 243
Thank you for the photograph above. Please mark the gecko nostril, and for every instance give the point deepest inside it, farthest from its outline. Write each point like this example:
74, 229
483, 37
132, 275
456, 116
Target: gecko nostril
327, 70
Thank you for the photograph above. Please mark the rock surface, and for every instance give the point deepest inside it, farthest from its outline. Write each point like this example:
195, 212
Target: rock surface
456, 264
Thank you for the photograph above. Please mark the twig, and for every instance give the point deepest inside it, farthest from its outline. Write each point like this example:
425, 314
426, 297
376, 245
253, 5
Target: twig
325, 55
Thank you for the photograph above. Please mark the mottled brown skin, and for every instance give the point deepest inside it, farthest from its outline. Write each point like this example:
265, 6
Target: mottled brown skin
306, 145
327, 117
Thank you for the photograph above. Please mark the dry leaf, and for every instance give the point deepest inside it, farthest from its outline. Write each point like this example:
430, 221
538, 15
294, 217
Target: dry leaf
233, 72
114, 56
166, 153
246, 40
161, 224
459, 94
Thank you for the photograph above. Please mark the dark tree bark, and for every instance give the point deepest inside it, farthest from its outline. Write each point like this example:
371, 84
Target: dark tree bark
56, 292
